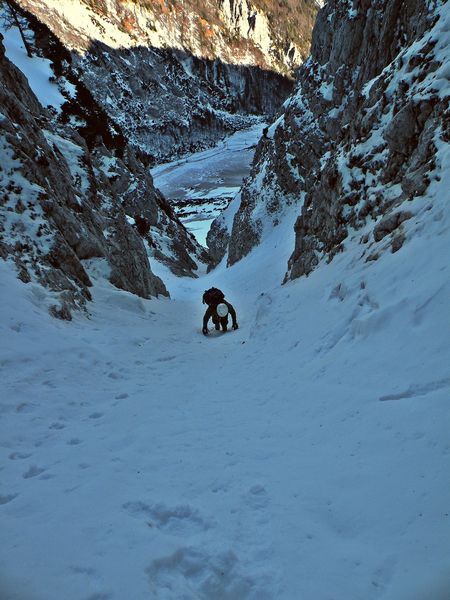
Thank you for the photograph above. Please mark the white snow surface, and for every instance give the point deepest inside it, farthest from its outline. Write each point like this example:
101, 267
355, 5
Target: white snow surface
37, 70
304, 456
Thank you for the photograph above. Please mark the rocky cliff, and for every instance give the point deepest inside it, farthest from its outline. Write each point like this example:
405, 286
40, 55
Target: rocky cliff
177, 76
359, 139
266, 33
73, 206
114, 85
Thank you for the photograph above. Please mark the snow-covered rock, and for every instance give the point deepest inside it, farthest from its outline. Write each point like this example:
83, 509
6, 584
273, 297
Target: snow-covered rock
360, 138
57, 208
70, 201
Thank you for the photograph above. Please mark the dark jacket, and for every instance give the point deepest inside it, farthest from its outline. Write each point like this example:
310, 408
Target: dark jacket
211, 313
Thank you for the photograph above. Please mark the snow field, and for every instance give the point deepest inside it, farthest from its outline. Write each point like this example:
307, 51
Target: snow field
305, 455
37, 70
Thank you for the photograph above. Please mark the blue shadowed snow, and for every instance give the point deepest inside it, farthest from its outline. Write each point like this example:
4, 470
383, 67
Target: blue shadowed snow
305, 455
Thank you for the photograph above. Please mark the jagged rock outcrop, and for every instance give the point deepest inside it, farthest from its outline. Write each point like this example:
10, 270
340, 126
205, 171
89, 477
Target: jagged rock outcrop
175, 77
67, 203
359, 137
217, 240
264, 24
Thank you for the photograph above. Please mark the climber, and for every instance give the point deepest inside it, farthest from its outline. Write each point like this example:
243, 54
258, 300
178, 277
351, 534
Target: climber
218, 309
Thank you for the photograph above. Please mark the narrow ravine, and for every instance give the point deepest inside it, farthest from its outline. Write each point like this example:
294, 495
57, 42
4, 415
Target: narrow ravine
303, 455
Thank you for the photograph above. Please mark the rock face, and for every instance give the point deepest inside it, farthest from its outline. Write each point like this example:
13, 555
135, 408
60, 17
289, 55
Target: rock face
265, 33
175, 77
138, 81
69, 203
168, 102
358, 139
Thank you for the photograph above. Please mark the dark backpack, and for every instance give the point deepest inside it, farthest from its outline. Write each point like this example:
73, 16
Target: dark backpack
213, 297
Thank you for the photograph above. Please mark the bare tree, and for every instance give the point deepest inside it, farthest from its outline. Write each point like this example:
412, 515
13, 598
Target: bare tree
12, 19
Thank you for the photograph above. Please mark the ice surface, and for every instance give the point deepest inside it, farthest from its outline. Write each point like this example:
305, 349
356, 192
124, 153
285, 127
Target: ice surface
222, 166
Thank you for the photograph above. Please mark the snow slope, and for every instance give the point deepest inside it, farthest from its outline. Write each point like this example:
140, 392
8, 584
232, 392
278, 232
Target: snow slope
37, 70
305, 455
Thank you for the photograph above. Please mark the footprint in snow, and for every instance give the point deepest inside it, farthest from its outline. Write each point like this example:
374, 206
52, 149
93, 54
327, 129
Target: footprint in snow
83, 571
7, 498
49, 383
33, 471
165, 358
74, 442
180, 519
192, 573
257, 497
115, 375
46, 476
19, 456
96, 415
25, 407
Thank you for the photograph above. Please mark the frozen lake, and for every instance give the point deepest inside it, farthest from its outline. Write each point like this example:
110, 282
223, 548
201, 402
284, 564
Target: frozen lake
201, 185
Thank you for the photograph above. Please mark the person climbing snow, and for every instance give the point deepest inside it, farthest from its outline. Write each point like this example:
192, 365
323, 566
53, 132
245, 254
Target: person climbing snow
218, 310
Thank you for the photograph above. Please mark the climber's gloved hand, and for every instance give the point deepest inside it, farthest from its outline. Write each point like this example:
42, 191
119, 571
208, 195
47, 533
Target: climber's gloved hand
205, 331
235, 326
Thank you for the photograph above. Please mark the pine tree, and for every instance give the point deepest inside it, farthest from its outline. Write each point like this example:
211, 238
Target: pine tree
11, 18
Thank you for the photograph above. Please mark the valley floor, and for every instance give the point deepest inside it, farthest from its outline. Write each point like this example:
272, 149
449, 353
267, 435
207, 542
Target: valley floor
201, 185
304, 456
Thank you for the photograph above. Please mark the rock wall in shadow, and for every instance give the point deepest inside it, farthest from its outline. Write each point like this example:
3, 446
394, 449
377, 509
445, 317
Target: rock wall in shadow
77, 199
168, 102
171, 79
